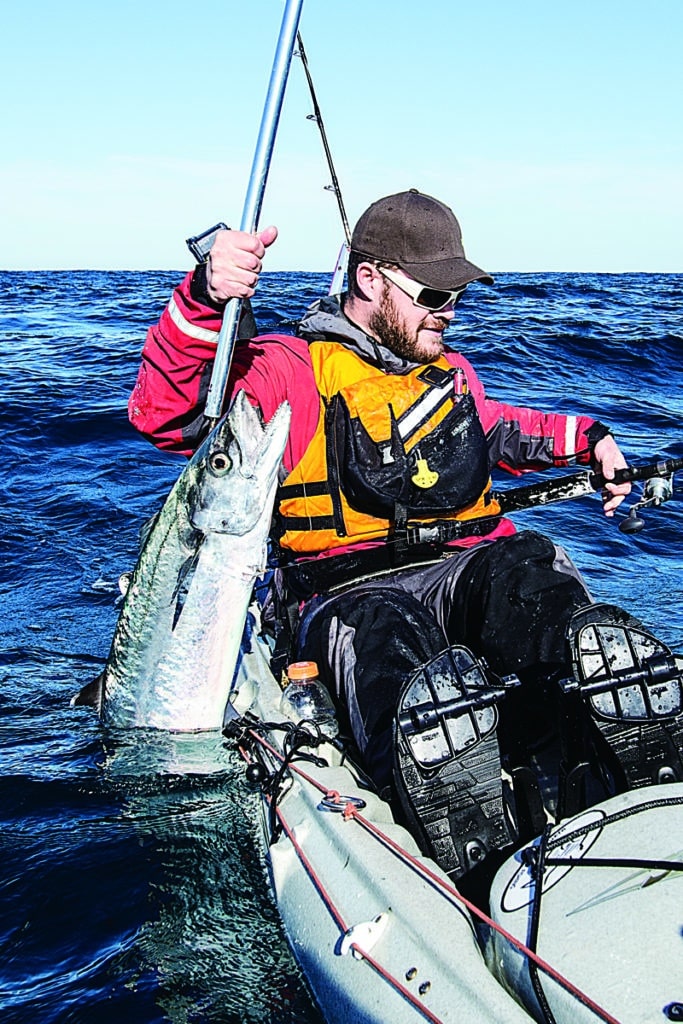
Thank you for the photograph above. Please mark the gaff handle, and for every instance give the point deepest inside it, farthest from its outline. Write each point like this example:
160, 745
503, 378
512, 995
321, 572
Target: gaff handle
254, 197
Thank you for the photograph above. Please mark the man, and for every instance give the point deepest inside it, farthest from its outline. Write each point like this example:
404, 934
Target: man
389, 540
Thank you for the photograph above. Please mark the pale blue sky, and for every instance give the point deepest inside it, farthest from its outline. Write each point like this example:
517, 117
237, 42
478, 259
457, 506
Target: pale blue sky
552, 128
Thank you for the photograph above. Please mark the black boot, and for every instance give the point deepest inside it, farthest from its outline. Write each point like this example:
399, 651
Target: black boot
447, 763
632, 686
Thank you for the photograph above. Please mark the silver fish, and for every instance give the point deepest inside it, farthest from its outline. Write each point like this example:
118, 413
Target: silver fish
178, 636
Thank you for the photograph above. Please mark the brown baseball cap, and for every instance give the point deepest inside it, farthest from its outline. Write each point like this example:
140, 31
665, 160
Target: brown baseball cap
421, 236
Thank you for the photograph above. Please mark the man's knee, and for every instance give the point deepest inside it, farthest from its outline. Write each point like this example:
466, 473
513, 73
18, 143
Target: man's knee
368, 643
514, 601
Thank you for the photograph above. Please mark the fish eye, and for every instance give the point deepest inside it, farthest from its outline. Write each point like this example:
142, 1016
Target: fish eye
220, 462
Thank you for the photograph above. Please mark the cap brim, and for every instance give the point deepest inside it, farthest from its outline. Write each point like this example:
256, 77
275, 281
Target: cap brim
446, 274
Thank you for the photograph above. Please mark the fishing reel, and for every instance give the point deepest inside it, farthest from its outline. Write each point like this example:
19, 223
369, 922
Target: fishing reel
656, 491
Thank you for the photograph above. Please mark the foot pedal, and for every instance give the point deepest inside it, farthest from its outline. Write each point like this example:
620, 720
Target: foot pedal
633, 686
447, 762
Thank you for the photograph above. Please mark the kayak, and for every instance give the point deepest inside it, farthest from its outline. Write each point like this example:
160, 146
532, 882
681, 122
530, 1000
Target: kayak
584, 923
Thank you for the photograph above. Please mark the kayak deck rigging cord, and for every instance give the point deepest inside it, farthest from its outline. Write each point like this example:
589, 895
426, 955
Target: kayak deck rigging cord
537, 859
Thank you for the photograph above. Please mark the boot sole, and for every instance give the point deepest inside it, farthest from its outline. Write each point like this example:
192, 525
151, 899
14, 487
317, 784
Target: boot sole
633, 686
448, 762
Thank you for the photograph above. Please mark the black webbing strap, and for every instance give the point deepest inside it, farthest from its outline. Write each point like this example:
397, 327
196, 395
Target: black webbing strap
536, 860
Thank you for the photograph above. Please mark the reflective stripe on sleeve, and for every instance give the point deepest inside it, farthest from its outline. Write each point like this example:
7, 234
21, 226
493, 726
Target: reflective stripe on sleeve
184, 325
570, 436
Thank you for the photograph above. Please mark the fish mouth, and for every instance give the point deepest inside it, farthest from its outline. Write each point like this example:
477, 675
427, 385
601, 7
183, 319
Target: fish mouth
258, 447
241, 468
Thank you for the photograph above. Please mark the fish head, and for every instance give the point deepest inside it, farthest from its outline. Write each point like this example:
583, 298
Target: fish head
237, 470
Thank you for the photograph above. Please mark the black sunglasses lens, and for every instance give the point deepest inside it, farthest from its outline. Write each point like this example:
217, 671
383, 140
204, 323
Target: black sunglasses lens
433, 298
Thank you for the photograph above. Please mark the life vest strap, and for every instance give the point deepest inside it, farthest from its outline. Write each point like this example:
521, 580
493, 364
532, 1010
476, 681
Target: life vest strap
289, 523
444, 530
314, 489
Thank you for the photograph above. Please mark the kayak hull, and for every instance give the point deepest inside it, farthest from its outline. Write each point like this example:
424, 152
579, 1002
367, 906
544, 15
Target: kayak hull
381, 933
631, 913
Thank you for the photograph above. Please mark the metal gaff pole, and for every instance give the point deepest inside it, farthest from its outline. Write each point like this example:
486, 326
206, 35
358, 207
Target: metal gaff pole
254, 198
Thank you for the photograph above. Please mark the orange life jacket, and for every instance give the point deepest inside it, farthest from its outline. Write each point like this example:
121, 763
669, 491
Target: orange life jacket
386, 447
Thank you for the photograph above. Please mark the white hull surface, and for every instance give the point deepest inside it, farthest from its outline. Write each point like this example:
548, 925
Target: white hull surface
383, 935
614, 928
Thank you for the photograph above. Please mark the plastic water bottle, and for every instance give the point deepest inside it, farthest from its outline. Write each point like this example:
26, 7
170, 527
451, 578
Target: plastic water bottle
304, 697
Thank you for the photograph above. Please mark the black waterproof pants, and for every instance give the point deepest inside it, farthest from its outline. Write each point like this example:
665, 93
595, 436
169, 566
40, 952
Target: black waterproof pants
508, 600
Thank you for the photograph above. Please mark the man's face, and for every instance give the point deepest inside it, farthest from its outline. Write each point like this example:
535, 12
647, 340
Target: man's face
408, 330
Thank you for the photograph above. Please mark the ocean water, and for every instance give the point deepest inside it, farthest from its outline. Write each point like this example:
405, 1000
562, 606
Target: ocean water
131, 877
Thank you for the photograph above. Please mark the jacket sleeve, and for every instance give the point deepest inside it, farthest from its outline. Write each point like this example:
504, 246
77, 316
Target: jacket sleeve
168, 400
521, 439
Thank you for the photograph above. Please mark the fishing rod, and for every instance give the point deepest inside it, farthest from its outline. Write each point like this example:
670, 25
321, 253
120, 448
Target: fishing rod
342, 258
421, 540
318, 118
254, 198
658, 489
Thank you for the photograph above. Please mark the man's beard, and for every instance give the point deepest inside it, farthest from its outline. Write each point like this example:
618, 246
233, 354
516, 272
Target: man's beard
387, 325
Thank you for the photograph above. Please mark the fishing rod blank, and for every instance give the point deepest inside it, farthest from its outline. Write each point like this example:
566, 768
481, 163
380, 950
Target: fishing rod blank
576, 485
342, 258
318, 118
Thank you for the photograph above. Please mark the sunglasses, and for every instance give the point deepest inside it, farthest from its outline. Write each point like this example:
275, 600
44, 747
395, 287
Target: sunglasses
432, 299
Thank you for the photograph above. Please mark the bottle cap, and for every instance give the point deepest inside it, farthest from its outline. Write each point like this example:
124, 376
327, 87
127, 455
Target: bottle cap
299, 670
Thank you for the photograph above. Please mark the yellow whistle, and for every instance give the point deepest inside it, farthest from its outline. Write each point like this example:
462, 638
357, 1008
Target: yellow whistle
424, 477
